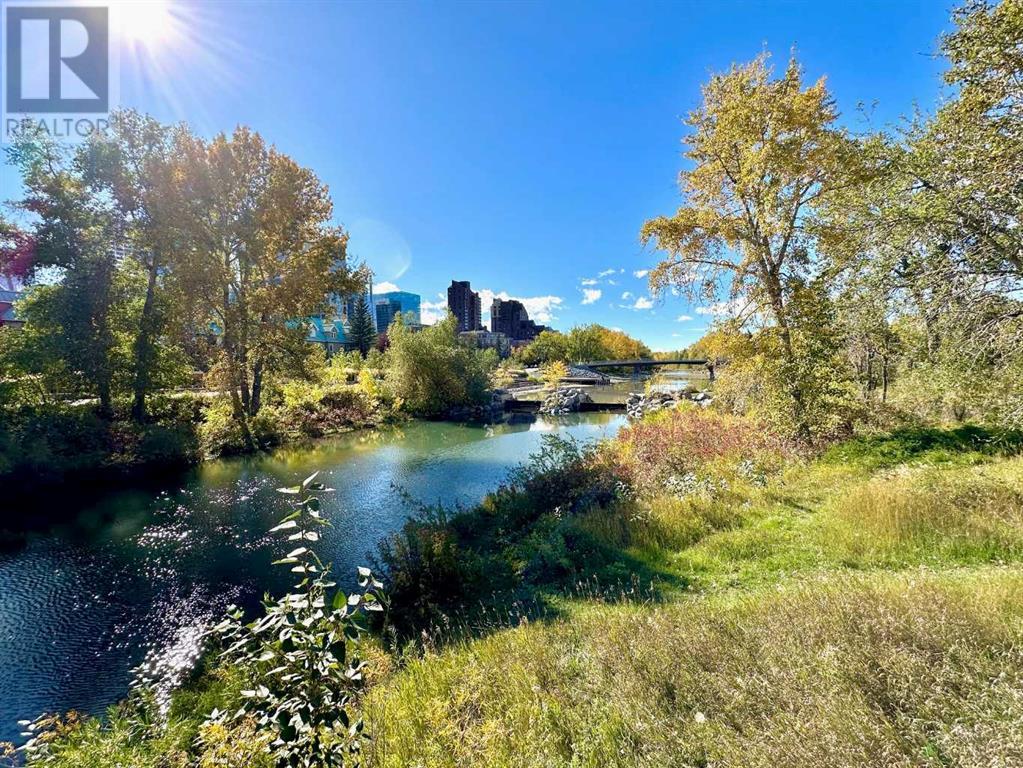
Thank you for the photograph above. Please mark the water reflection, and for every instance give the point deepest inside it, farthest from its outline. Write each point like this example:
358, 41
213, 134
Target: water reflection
140, 571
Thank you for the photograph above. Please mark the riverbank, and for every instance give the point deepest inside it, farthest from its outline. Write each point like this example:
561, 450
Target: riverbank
70, 448
696, 590
861, 608
137, 572
73, 450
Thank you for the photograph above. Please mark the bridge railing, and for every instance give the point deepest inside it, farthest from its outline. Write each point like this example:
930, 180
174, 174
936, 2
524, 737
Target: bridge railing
649, 362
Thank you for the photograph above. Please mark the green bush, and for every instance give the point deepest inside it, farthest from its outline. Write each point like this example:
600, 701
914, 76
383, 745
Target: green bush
522, 537
432, 370
221, 434
48, 444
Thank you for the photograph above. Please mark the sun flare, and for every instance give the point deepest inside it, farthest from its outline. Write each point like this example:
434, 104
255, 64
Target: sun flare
148, 23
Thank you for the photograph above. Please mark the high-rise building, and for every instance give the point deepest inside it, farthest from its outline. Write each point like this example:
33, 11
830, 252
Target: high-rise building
464, 304
408, 305
509, 316
386, 310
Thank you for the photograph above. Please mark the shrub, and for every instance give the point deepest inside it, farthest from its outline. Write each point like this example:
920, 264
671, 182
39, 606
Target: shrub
523, 535
58, 443
314, 411
301, 656
221, 434
552, 373
426, 571
674, 444
432, 370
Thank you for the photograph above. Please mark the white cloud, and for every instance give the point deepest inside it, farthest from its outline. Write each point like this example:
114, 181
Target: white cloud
590, 281
641, 273
385, 287
431, 312
591, 295
643, 302
607, 272
731, 308
542, 309
627, 295
683, 318
612, 282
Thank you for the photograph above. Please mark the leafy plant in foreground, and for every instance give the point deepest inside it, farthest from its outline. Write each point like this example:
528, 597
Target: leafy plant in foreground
302, 654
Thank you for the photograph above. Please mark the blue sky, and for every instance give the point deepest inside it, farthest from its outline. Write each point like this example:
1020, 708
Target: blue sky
518, 145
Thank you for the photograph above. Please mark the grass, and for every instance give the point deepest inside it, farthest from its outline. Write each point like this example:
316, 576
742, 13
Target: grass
911, 669
865, 608
861, 608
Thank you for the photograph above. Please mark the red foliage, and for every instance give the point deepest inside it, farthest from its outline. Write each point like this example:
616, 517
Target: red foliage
17, 253
682, 441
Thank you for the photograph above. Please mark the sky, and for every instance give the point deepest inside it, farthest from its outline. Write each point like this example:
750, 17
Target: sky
517, 145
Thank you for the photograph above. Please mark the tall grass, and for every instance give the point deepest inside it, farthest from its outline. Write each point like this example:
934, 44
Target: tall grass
680, 442
970, 512
905, 670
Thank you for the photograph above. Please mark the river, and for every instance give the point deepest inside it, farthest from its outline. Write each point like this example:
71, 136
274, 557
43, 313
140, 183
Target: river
139, 573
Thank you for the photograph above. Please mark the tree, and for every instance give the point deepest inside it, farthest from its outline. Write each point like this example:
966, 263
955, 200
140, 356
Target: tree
74, 234
361, 332
972, 151
258, 253
552, 373
17, 251
618, 345
765, 153
586, 342
927, 255
132, 164
548, 346
432, 370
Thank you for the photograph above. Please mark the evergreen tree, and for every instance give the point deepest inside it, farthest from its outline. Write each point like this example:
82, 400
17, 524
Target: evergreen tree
360, 328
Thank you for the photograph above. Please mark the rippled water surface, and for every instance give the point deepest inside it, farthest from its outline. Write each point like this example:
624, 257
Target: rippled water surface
138, 574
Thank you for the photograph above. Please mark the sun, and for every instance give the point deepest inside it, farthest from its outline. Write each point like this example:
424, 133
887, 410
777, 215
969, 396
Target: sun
146, 23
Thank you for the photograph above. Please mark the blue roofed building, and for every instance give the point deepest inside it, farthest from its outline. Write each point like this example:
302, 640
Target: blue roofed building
329, 333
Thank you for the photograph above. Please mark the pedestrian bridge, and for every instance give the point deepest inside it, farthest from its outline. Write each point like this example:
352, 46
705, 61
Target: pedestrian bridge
643, 363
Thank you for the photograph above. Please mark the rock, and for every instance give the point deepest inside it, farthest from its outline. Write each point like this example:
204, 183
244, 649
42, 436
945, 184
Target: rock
490, 411
564, 400
637, 406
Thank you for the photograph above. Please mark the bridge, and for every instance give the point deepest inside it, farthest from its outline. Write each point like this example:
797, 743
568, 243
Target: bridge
640, 364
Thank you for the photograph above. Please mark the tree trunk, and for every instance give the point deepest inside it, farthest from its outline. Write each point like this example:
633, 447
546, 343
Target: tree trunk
777, 299
106, 409
884, 379
257, 388
235, 374
144, 347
